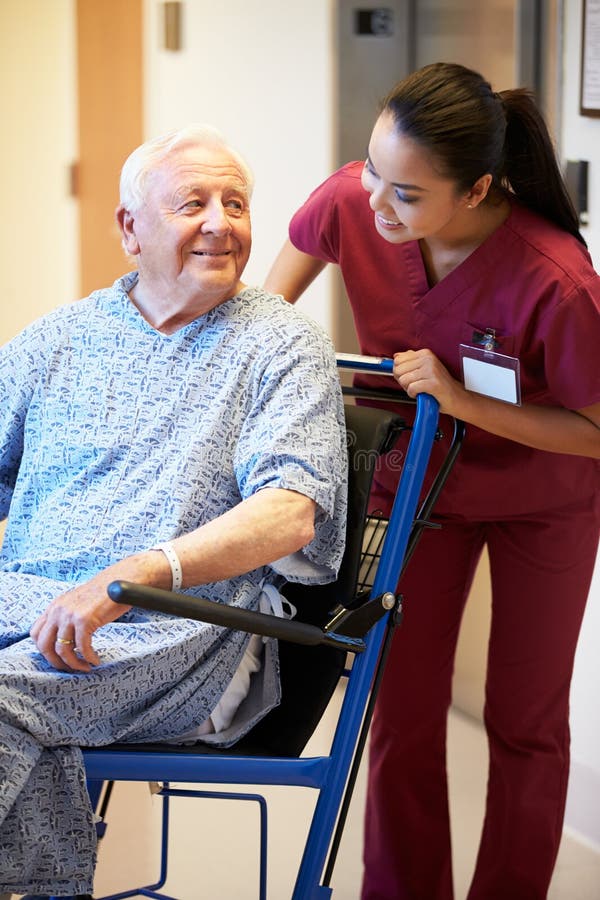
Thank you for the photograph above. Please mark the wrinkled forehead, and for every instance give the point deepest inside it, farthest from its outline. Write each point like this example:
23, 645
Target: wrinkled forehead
197, 166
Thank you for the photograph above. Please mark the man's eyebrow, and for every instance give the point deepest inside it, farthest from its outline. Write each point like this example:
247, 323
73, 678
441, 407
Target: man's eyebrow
399, 184
185, 190
196, 187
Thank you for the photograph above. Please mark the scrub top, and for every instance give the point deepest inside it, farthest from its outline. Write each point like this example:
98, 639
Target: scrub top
529, 282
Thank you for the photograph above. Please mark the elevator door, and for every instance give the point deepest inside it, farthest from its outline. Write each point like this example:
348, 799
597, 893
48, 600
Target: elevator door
512, 43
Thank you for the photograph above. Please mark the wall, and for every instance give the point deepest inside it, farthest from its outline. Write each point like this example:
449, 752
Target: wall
578, 139
38, 228
261, 72
244, 68
581, 140
249, 77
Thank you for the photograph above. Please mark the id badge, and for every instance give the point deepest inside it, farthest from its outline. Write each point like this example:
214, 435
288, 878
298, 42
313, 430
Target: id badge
490, 373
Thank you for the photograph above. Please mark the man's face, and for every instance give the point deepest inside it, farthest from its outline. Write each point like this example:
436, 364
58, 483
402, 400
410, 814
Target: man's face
192, 234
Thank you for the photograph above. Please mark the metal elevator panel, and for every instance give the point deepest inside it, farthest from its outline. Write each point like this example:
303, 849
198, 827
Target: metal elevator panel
511, 42
374, 51
482, 36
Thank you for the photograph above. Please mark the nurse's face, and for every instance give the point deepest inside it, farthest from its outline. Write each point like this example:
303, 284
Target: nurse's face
410, 199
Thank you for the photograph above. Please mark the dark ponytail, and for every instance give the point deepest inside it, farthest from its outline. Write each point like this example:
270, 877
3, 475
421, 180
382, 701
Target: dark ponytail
470, 131
530, 167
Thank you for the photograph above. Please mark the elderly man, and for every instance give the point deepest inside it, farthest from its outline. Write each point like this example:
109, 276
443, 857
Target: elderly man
178, 429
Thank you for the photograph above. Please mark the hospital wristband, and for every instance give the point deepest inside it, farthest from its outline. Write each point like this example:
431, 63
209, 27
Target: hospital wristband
174, 562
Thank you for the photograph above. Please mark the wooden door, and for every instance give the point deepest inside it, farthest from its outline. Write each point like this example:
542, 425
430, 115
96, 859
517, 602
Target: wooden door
110, 109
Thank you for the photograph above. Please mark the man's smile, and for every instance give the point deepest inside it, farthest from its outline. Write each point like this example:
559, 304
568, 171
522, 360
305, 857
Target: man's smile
211, 252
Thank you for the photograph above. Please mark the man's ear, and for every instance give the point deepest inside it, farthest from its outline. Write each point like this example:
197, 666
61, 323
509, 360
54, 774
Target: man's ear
126, 223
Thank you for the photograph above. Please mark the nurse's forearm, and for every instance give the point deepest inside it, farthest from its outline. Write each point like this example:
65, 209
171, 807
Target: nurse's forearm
292, 272
542, 427
549, 428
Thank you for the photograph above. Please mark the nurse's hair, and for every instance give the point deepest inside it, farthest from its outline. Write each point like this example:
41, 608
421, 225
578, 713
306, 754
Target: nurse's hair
149, 156
470, 131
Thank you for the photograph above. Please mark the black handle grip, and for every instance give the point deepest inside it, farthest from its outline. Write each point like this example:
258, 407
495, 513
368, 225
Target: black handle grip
203, 610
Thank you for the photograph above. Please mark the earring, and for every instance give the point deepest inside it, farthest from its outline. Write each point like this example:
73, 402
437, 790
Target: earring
469, 206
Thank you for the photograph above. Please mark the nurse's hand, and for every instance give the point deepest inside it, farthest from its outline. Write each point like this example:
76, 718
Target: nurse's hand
421, 372
550, 428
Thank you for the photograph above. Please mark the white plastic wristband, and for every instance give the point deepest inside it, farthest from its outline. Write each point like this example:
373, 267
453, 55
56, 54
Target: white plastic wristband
173, 560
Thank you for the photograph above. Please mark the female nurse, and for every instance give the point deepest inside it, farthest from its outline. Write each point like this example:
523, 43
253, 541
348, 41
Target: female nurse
462, 259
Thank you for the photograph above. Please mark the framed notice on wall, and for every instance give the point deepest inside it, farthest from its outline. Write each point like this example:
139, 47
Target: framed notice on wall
589, 103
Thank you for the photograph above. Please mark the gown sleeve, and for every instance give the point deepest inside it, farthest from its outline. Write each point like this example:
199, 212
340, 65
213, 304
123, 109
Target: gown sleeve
294, 438
19, 372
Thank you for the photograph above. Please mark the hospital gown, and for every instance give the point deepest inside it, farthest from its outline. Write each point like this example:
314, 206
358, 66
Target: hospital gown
115, 437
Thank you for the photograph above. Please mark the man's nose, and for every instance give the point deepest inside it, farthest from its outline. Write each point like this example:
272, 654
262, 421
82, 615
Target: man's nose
216, 220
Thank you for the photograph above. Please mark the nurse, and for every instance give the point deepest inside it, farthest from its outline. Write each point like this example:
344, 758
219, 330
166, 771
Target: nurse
462, 259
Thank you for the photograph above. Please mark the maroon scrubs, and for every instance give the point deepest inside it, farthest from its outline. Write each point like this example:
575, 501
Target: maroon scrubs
537, 512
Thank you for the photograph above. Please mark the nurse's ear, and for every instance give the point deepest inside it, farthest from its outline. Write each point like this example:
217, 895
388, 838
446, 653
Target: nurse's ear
126, 223
478, 192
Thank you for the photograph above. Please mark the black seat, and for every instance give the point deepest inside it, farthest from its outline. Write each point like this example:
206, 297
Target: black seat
311, 663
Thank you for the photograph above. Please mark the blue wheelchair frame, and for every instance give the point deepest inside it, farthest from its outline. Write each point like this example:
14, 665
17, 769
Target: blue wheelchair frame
333, 774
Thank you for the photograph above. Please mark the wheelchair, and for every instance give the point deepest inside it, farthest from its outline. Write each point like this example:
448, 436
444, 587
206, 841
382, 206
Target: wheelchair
342, 632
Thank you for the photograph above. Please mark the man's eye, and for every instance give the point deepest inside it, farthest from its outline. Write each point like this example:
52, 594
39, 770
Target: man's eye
192, 204
235, 204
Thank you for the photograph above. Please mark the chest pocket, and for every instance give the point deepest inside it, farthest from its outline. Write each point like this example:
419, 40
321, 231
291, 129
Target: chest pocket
486, 336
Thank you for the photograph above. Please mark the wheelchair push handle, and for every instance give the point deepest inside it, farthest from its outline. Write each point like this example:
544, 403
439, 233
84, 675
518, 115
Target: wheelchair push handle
379, 364
383, 365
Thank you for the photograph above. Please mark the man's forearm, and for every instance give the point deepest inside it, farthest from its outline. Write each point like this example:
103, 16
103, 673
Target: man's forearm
267, 526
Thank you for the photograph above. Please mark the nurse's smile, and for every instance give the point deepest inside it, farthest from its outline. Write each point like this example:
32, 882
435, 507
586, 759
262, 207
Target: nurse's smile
389, 223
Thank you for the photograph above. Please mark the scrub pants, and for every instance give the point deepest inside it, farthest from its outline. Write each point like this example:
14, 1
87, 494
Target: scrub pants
541, 568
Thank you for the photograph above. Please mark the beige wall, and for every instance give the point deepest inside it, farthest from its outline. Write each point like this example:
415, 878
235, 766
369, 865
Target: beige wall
471, 655
38, 228
581, 140
278, 111
262, 72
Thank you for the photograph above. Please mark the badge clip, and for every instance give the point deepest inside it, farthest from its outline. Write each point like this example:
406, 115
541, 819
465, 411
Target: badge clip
486, 339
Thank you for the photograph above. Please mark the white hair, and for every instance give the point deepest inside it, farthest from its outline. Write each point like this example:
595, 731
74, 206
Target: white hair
150, 154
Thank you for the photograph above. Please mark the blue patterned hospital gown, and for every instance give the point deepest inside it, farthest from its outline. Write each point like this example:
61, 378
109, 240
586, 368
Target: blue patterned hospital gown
114, 437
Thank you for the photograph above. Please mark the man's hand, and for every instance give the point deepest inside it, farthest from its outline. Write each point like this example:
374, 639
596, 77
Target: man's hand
267, 526
63, 633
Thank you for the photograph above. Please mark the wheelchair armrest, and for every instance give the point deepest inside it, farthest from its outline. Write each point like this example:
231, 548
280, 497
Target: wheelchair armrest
203, 610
